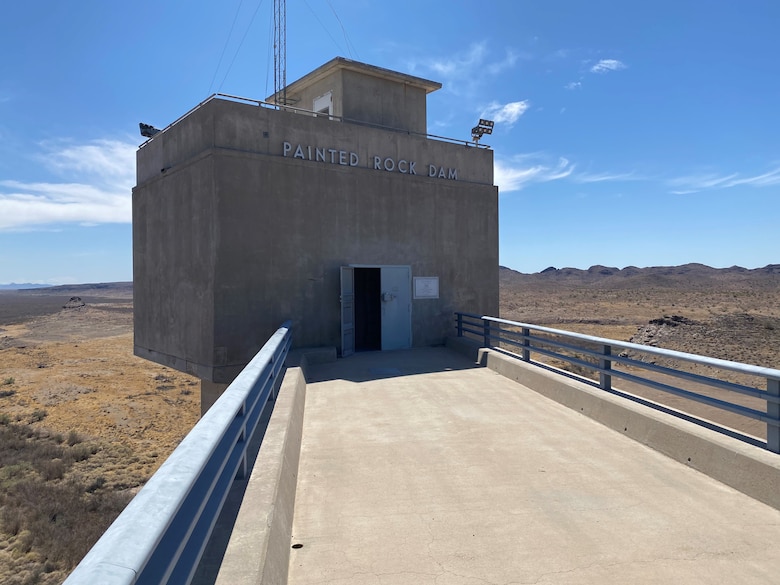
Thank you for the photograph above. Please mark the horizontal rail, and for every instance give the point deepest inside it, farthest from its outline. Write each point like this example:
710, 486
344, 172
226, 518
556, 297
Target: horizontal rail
261, 103
161, 535
494, 331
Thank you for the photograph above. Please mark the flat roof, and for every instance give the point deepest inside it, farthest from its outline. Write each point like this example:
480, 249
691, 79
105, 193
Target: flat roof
348, 64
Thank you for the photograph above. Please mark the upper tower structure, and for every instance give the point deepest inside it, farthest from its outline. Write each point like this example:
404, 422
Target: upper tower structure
357, 92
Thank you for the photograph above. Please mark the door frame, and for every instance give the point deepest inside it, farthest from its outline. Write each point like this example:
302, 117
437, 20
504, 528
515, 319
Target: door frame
352, 297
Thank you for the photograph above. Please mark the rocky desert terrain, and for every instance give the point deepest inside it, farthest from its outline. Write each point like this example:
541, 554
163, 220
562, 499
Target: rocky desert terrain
729, 313
84, 423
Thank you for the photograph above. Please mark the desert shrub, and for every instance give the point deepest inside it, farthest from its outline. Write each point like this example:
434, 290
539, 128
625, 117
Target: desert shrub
96, 484
4, 419
7, 392
8, 381
60, 521
74, 438
38, 415
54, 518
53, 469
24, 542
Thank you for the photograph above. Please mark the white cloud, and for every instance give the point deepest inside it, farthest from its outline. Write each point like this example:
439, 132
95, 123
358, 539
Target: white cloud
693, 183
521, 170
509, 61
97, 181
603, 177
770, 178
607, 65
465, 72
573, 85
506, 113
460, 64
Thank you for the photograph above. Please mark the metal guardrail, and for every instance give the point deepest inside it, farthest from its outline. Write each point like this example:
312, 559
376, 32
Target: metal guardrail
161, 535
261, 103
601, 351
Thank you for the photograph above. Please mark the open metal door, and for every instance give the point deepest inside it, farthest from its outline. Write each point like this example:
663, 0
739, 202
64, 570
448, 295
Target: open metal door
396, 307
347, 311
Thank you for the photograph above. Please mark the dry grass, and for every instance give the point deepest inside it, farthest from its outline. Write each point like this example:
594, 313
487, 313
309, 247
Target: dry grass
83, 424
50, 515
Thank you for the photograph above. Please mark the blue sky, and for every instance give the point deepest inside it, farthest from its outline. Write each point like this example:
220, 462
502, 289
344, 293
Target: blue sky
627, 133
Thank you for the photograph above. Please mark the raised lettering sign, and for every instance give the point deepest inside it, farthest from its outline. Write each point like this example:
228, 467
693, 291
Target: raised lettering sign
336, 156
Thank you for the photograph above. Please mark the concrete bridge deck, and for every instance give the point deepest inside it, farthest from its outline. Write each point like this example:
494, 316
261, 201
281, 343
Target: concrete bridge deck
418, 467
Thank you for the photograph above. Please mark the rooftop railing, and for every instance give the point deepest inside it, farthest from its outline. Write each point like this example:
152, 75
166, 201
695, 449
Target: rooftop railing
161, 535
261, 103
608, 358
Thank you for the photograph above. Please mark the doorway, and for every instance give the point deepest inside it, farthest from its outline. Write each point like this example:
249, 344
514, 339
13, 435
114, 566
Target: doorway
376, 308
368, 309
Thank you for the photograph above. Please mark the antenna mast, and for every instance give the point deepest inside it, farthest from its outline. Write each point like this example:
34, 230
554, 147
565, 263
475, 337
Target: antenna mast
280, 52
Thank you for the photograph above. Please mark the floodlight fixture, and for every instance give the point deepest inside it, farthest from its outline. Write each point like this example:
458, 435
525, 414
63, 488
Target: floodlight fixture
147, 130
483, 127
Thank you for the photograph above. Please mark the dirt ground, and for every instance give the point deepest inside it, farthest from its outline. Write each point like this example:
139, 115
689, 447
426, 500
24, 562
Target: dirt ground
78, 366
66, 371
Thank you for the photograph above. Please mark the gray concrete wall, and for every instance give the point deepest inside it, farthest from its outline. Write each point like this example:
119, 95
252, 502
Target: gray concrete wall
243, 237
365, 93
304, 98
174, 255
383, 102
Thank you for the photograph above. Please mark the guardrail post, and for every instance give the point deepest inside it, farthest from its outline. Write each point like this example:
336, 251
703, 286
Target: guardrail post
773, 410
460, 324
486, 333
526, 353
605, 380
241, 472
272, 398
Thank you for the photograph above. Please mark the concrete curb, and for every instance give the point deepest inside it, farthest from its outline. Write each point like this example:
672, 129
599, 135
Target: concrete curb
259, 547
744, 467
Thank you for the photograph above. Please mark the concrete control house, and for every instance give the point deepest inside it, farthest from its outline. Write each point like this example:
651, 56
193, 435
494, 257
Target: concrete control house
336, 211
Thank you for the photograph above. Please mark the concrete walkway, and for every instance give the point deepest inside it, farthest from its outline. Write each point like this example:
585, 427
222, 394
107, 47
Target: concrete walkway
417, 468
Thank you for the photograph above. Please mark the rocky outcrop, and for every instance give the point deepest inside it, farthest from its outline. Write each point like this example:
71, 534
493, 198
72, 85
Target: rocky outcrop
74, 303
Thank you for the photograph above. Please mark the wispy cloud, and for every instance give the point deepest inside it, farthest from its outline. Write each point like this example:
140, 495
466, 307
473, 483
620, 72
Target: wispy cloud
505, 113
604, 177
460, 63
517, 172
465, 71
97, 178
607, 65
573, 85
694, 183
510, 60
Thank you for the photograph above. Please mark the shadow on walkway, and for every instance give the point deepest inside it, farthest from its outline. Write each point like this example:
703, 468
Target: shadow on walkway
378, 365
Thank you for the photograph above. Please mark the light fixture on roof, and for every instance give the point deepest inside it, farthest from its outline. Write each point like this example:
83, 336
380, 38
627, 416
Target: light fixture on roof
482, 128
147, 130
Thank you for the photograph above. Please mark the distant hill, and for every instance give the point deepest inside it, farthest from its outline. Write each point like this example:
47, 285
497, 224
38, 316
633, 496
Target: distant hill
97, 289
689, 276
24, 286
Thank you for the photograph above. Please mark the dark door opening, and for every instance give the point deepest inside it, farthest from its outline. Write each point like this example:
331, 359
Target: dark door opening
368, 309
